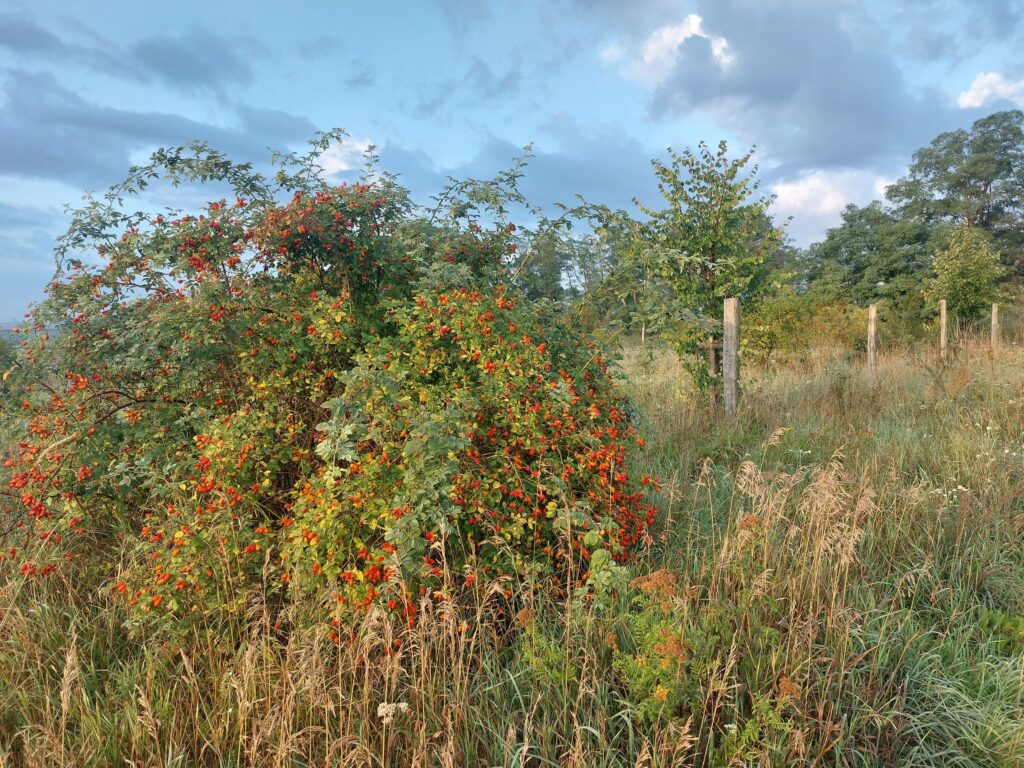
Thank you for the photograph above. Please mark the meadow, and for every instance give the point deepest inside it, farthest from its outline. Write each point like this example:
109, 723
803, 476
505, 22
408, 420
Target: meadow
836, 578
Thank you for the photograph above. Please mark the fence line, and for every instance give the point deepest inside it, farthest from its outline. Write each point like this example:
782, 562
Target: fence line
731, 344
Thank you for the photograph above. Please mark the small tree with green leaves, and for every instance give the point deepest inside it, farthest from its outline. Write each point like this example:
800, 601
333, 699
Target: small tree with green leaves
966, 273
711, 240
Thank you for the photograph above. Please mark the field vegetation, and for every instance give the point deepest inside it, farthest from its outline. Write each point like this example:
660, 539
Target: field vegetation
319, 476
834, 579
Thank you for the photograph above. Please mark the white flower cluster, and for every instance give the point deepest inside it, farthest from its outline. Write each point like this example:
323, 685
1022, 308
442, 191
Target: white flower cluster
387, 712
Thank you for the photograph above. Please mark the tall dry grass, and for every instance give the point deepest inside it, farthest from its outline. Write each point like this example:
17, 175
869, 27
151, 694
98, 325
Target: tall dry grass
841, 569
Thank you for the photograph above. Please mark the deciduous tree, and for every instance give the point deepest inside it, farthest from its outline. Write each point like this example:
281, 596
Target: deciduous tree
711, 239
965, 273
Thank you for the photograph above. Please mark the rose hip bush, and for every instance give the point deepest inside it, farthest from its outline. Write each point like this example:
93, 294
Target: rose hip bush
317, 391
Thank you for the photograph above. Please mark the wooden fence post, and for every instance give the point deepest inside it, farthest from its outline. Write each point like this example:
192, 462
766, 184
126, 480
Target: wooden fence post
943, 337
730, 355
712, 374
872, 352
995, 327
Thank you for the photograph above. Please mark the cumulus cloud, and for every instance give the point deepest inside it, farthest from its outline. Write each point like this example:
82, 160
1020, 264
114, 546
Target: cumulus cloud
933, 30
809, 89
194, 61
362, 77
602, 162
191, 61
48, 131
344, 157
661, 49
460, 15
816, 198
658, 54
25, 36
478, 84
30, 41
989, 87
25, 260
612, 53
53, 139
633, 19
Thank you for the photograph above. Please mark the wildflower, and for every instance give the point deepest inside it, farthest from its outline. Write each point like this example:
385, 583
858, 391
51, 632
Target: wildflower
387, 712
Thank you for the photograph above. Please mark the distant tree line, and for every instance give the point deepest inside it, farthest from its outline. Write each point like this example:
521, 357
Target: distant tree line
951, 228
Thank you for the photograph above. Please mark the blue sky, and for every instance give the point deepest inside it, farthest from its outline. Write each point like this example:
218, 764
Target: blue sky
836, 94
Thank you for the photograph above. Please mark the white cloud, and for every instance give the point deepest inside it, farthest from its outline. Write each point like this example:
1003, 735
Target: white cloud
660, 51
816, 198
991, 86
722, 52
612, 53
816, 193
344, 156
882, 184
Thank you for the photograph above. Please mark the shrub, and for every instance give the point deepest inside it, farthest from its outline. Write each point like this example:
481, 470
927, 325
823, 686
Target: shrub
966, 273
674, 665
337, 400
776, 325
787, 324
